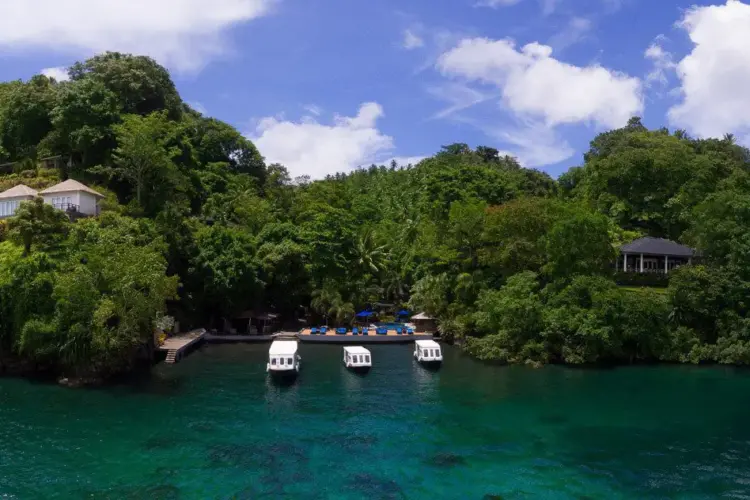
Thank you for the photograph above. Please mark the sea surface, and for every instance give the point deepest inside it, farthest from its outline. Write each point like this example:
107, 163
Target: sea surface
214, 426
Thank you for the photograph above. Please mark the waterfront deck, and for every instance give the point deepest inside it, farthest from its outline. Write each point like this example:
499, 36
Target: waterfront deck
177, 345
391, 337
248, 339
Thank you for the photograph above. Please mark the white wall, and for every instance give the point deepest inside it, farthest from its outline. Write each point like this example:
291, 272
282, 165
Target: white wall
87, 202
18, 199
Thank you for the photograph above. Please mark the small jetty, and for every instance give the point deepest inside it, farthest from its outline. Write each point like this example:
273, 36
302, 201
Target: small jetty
177, 345
373, 336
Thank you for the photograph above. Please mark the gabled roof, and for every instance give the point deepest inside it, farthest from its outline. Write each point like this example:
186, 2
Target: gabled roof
657, 246
421, 316
20, 190
68, 186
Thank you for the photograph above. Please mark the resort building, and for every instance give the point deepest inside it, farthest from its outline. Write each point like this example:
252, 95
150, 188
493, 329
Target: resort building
70, 196
654, 255
11, 199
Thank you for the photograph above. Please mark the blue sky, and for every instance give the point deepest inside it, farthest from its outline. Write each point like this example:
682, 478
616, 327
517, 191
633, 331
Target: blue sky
327, 85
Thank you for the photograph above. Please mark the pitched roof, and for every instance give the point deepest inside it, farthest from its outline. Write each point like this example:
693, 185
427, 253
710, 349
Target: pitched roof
70, 185
657, 246
20, 190
421, 316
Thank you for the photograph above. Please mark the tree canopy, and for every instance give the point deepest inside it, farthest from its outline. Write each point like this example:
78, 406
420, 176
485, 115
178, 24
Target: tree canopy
515, 265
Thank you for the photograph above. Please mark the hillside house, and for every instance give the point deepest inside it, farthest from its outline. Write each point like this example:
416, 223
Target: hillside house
654, 255
69, 196
11, 199
72, 196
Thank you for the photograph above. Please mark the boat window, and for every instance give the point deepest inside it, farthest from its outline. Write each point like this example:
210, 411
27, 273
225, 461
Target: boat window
281, 361
290, 361
367, 358
273, 361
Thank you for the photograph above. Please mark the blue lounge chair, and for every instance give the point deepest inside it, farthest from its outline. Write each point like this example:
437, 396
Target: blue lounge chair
410, 331
323, 329
340, 331
314, 331
382, 331
355, 331
399, 330
364, 331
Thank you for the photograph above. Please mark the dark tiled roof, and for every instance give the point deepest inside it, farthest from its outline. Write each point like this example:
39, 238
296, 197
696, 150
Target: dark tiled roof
658, 246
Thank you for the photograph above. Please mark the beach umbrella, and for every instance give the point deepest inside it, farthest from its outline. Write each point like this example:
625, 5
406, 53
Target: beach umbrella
403, 312
364, 314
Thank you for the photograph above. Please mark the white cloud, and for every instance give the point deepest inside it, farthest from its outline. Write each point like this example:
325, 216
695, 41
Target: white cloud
549, 6
661, 61
311, 148
715, 76
183, 34
314, 109
412, 40
198, 106
535, 145
576, 29
404, 161
458, 96
534, 85
497, 3
59, 74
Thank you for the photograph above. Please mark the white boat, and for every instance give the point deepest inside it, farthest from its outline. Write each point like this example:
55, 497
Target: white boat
427, 352
283, 358
357, 358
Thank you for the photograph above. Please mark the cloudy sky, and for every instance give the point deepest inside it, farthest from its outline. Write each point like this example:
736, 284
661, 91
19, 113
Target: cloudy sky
327, 85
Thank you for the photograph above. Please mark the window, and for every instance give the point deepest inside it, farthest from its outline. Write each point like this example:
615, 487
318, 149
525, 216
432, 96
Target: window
367, 358
290, 361
273, 361
281, 361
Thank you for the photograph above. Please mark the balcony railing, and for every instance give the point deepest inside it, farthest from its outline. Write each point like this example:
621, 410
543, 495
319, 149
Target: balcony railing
67, 207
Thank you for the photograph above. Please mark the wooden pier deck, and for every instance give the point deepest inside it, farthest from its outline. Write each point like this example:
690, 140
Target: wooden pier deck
177, 345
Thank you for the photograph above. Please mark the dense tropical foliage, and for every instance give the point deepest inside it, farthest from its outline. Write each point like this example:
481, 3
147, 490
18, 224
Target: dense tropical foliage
516, 266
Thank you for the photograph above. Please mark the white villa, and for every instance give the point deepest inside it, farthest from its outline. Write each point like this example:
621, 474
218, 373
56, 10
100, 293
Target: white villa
654, 255
70, 196
11, 199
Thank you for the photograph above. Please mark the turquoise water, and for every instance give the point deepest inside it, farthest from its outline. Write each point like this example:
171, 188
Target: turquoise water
214, 427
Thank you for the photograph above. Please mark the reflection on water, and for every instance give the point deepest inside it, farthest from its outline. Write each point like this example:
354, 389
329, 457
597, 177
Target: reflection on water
217, 426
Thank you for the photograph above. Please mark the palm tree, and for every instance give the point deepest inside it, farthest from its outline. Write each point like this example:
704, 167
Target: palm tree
369, 256
323, 299
342, 312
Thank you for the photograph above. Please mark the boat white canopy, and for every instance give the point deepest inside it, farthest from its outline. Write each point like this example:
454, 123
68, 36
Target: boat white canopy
356, 349
427, 344
283, 348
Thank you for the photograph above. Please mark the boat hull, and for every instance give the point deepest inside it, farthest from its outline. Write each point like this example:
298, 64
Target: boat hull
359, 369
284, 374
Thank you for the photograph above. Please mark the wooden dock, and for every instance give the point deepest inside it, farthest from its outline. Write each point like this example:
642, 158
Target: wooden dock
177, 345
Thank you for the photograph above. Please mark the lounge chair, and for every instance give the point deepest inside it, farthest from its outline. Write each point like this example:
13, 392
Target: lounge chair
410, 331
364, 331
382, 331
399, 330
323, 330
340, 331
313, 331
355, 331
